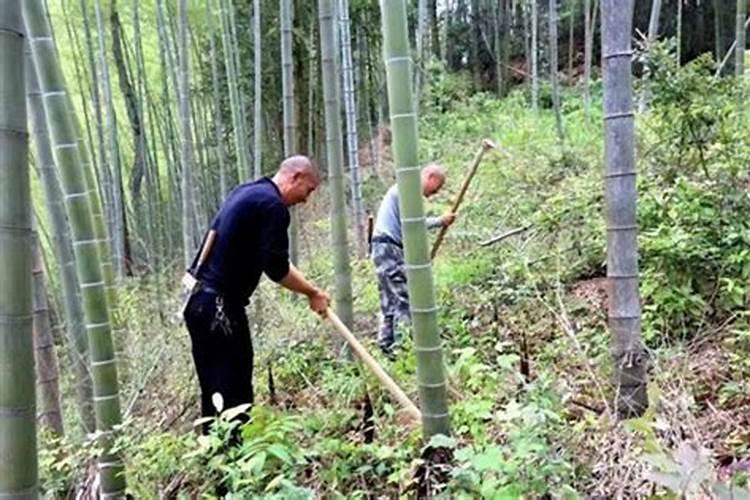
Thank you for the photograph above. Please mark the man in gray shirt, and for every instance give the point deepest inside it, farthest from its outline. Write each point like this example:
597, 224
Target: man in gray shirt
388, 255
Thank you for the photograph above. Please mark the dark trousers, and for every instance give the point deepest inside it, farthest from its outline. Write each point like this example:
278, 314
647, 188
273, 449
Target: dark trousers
222, 351
394, 295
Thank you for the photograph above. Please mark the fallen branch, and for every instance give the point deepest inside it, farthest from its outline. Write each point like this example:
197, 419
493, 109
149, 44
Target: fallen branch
508, 234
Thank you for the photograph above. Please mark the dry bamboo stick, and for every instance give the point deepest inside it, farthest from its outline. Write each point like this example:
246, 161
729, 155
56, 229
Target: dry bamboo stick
505, 235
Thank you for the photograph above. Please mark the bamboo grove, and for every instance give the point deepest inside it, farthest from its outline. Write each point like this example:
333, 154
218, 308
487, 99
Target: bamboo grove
144, 115
133, 126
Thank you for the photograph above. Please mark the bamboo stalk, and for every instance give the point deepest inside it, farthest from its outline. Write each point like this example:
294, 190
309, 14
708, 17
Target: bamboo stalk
486, 146
186, 138
729, 53
78, 344
19, 476
334, 157
624, 310
352, 142
431, 379
81, 202
374, 367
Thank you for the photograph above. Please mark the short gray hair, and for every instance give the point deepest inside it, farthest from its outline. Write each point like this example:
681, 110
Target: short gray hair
299, 164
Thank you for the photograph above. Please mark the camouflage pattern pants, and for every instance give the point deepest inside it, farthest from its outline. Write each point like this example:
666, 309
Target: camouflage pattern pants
394, 296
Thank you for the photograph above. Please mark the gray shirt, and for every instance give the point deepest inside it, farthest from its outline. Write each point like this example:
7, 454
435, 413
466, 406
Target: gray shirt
388, 222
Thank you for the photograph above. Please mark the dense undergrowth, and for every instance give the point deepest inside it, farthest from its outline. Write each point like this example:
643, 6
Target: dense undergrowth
523, 323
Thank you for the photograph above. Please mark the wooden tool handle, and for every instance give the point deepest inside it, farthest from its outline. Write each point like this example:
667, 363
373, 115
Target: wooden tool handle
370, 229
207, 246
374, 367
486, 146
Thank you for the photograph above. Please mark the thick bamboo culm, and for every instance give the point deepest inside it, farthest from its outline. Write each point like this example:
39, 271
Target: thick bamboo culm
486, 146
374, 367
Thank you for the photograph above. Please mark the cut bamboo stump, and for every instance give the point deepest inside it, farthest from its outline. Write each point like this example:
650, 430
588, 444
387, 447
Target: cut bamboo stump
374, 367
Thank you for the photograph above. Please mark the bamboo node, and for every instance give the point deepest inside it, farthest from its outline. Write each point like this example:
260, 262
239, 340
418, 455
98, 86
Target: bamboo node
615, 175
435, 415
622, 276
407, 169
18, 411
95, 284
96, 325
403, 115
14, 319
77, 195
615, 116
111, 397
399, 59
104, 363
86, 242
16, 229
424, 310
428, 349
433, 386
621, 53
15, 131
415, 267
11, 31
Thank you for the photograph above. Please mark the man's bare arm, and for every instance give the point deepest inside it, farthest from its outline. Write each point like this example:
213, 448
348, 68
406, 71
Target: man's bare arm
444, 220
296, 282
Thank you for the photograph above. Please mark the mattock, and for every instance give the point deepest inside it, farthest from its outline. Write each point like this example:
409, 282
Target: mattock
487, 145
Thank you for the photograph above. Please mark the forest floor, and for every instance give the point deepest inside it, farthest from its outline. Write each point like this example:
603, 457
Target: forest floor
525, 341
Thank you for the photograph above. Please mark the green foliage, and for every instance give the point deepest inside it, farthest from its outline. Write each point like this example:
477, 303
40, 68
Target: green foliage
519, 462
444, 89
62, 460
157, 460
257, 459
695, 236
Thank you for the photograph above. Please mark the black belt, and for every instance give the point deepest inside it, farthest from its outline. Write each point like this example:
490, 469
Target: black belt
229, 301
384, 238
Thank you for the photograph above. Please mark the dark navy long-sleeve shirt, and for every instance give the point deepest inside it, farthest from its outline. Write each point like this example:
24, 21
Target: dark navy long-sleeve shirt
251, 238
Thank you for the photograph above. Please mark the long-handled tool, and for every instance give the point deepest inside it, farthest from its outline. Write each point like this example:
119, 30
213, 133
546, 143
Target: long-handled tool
486, 146
189, 279
374, 367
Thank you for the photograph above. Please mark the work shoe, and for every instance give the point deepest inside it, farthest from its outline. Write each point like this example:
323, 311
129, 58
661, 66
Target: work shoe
390, 351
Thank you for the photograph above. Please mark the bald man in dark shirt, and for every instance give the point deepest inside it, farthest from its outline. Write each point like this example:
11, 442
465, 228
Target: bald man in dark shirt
250, 239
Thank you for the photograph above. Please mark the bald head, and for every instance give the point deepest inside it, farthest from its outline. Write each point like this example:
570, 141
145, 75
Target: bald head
299, 165
297, 178
433, 178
